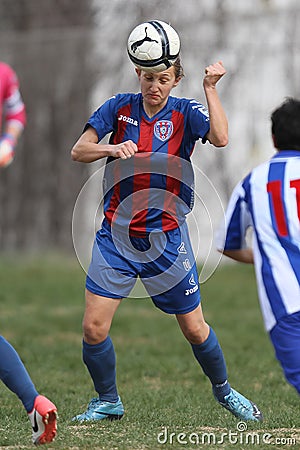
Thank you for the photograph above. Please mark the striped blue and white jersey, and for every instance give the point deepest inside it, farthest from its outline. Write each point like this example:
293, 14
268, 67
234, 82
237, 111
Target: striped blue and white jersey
268, 199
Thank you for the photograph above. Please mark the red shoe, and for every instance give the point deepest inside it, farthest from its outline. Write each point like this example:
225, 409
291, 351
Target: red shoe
43, 420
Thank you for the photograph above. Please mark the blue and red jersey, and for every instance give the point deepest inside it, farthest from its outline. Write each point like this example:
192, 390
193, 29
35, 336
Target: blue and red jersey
153, 189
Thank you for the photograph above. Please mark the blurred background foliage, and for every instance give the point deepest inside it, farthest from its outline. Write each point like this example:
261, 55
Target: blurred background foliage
70, 55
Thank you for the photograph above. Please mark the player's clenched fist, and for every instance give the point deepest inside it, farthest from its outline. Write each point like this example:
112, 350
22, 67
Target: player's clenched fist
124, 150
213, 73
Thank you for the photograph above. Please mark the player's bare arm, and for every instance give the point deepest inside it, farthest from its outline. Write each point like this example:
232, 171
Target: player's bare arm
218, 133
87, 149
244, 255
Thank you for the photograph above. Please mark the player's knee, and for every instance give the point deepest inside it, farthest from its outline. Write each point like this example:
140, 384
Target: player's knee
196, 334
94, 332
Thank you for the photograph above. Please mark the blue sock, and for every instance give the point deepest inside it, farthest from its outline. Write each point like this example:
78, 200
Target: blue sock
101, 363
15, 376
210, 357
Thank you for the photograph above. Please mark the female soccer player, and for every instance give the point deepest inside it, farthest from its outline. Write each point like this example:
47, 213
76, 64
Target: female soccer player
148, 192
41, 411
267, 200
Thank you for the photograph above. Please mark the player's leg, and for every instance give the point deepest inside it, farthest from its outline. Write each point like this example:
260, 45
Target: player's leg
176, 268
98, 315
206, 349
110, 278
285, 337
15, 376
98, 351
208, 353
99, 357
42, 413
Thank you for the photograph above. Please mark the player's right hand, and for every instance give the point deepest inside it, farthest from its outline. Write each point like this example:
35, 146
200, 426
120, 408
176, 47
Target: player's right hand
124, 150
6, 152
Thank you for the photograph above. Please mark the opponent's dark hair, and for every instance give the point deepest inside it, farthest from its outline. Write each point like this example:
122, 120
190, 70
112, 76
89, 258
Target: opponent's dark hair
286, 125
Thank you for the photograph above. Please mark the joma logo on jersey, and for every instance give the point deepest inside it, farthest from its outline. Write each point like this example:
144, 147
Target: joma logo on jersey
191, 290
195, 287
163, 130
128, 120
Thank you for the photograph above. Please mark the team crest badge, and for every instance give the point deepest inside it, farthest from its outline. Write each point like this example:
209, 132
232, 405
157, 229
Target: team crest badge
163, 130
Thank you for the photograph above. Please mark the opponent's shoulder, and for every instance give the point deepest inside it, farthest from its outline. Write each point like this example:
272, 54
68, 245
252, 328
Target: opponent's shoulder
257, 177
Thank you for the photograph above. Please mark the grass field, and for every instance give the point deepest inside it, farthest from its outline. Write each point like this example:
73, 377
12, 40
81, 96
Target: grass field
168, 400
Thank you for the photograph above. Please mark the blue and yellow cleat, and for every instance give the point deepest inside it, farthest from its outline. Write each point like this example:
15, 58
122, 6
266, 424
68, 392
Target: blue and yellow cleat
99, 410
241, 407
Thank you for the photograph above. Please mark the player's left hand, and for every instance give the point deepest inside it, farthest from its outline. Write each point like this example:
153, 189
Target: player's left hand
213, 73
6, 151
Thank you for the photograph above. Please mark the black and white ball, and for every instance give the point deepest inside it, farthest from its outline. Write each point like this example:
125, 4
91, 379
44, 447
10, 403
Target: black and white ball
153, 46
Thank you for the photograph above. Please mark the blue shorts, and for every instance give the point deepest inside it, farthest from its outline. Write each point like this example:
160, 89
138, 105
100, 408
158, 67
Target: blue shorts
285, 337
164, 261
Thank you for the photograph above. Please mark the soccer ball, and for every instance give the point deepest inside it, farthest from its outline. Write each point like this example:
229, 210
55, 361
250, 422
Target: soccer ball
153, 46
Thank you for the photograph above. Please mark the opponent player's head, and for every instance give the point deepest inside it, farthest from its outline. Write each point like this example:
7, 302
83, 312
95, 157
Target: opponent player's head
286, 125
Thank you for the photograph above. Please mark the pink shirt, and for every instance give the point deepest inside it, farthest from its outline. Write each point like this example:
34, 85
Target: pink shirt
12, 108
